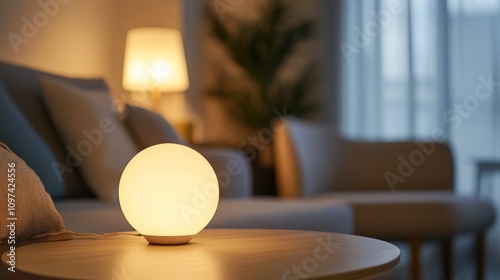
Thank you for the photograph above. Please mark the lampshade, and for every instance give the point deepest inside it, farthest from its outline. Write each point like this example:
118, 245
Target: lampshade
168, 193
155, 60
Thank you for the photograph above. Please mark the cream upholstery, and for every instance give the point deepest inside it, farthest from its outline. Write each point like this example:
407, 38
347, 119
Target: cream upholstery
311, 158
427, 214
398, 191
313, 161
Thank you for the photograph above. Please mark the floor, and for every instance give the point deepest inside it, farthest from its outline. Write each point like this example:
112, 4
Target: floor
464, 256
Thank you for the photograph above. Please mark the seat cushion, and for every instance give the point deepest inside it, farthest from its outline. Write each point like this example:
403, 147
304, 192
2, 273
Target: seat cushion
426, 214
91, 215
271, 213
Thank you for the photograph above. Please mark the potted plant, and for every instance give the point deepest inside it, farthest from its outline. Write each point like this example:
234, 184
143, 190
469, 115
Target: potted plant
255, 94
260, 49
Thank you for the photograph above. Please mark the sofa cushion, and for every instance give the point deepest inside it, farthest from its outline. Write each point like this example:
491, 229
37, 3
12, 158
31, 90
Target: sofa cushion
99, 145
24, 89
272, 213
90, 215
149, 128
427, 214
27, 212
17, 133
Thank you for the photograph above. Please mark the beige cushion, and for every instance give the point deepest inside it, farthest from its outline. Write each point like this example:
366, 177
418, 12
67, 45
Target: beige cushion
94, 137
426, 214
37, 219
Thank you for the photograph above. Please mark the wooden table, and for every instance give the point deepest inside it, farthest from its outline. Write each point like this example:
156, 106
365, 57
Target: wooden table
212, 254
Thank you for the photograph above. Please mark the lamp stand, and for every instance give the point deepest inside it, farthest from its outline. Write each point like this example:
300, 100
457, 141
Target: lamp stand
156, 99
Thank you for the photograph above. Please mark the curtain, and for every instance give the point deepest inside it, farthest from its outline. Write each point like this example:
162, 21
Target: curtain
415, 69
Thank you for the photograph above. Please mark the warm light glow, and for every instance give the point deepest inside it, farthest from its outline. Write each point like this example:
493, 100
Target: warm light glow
168, 193
154, 59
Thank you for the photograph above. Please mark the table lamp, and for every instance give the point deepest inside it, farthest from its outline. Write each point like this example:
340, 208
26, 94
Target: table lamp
168, 193
155, 62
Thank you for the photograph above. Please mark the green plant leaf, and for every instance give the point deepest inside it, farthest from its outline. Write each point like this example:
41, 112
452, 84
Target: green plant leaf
260, 48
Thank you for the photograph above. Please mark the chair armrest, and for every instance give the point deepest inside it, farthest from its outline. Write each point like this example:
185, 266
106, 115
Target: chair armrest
305, 157
233, 171
311, 158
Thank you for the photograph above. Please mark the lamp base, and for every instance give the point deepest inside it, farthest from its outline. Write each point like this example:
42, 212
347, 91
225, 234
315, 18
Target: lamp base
168, 240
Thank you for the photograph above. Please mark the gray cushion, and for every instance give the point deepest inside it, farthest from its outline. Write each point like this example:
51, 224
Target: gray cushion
21, 138
272, 213
149, 128
90, 215
427, 214
233, 170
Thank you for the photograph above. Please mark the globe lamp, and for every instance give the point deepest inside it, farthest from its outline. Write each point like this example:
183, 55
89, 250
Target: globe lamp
168, 193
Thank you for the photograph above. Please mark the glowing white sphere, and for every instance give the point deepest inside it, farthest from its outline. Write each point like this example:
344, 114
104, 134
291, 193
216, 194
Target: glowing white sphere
168, 193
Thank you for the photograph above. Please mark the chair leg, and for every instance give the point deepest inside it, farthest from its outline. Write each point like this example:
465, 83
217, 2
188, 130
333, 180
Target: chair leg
480, 245
447, 245
415, 244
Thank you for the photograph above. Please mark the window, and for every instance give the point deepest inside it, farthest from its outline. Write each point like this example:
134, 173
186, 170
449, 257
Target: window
410, 68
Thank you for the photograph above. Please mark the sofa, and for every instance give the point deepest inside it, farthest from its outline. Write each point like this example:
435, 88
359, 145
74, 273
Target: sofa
399, 191
30, 130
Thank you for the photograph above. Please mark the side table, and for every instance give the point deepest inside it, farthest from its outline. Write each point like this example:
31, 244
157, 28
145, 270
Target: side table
213, 254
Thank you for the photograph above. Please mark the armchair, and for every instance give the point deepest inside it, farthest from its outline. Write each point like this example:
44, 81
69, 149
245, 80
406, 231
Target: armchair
399, 191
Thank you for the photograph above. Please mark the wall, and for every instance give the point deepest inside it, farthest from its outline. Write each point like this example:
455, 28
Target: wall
80, 37
133, 14
87, 38
146, 13
192, 22
66, 37
84, 38
217, 126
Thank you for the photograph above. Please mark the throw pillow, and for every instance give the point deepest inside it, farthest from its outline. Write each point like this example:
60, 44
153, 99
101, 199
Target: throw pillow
149, 128
25, 206
96, 140
17, 133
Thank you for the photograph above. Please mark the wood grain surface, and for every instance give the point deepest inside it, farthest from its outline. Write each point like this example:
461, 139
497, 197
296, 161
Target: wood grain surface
214, 254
